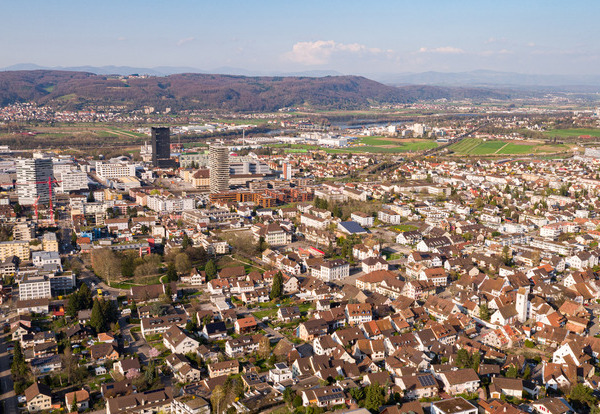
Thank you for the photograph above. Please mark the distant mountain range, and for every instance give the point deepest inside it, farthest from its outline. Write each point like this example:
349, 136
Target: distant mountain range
475, 78
490, 78
166, 70
73, 90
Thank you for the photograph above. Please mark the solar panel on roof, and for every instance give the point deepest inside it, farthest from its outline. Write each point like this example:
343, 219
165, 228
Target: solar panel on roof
426, 381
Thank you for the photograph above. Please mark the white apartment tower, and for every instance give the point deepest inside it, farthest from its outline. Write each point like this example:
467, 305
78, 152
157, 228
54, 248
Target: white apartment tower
29, 172
218, 164
287, 170
522, 304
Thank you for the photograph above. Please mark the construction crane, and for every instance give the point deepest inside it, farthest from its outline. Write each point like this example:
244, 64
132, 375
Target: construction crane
35, 204
50, 181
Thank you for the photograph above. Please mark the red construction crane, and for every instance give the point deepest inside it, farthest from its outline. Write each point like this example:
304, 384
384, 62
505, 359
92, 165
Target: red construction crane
50, 181
36, 207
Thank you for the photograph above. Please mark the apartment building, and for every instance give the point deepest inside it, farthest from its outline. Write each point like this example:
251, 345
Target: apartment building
34, 287
19, 248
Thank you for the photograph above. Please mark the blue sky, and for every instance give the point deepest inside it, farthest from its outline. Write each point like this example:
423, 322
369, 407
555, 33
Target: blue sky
354, 37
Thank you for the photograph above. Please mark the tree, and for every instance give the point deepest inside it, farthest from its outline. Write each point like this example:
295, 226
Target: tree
262, 244
110, 312
183, 263
506, 256
582, 395
375, 397
168, 293
106, 264
288, 395
97, 317
210, 269
484, 312
73, 306
535, 257
172, 273
527, 372
216, 399
297, 401
358, 394
74, 408
186, 242
512, 372
85, 296
197, 254
336, 211
264, 347
18, 366
128, 265
277, 286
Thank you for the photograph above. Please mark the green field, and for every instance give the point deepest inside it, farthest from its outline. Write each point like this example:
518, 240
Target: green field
399, 148
376, 141
476, 146
568, 133
404, 227
296, 150
384, 144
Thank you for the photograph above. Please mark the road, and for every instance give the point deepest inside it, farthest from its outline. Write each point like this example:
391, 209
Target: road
89, 278
9, 399
137, 344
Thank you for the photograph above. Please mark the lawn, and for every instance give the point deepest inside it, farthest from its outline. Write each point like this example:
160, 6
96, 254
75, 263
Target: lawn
476, 146
487, 147
575, 132
265, 313
403, 227
518, 149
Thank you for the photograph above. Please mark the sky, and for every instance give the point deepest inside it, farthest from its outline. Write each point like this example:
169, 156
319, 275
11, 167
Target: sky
351, 37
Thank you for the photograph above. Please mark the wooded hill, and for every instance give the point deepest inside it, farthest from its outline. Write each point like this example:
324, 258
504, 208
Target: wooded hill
73, 90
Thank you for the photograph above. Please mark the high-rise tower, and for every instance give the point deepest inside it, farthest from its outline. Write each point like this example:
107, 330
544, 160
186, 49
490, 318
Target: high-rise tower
161, 147
522, 304
29, 172
287, 170
218, 163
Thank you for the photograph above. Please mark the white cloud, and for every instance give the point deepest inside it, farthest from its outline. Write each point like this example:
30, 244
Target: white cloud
443, 50
495, 52
185, 40
320, 52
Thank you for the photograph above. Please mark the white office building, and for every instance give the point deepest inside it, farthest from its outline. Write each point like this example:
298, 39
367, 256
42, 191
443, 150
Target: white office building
72, 181
115, 170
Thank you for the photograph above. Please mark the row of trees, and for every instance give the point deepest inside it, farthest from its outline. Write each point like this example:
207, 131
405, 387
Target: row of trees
112, 266
22, 375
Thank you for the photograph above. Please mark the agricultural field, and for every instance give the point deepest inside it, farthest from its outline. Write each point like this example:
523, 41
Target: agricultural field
575, 132
72, 136
386, 144
476, 146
